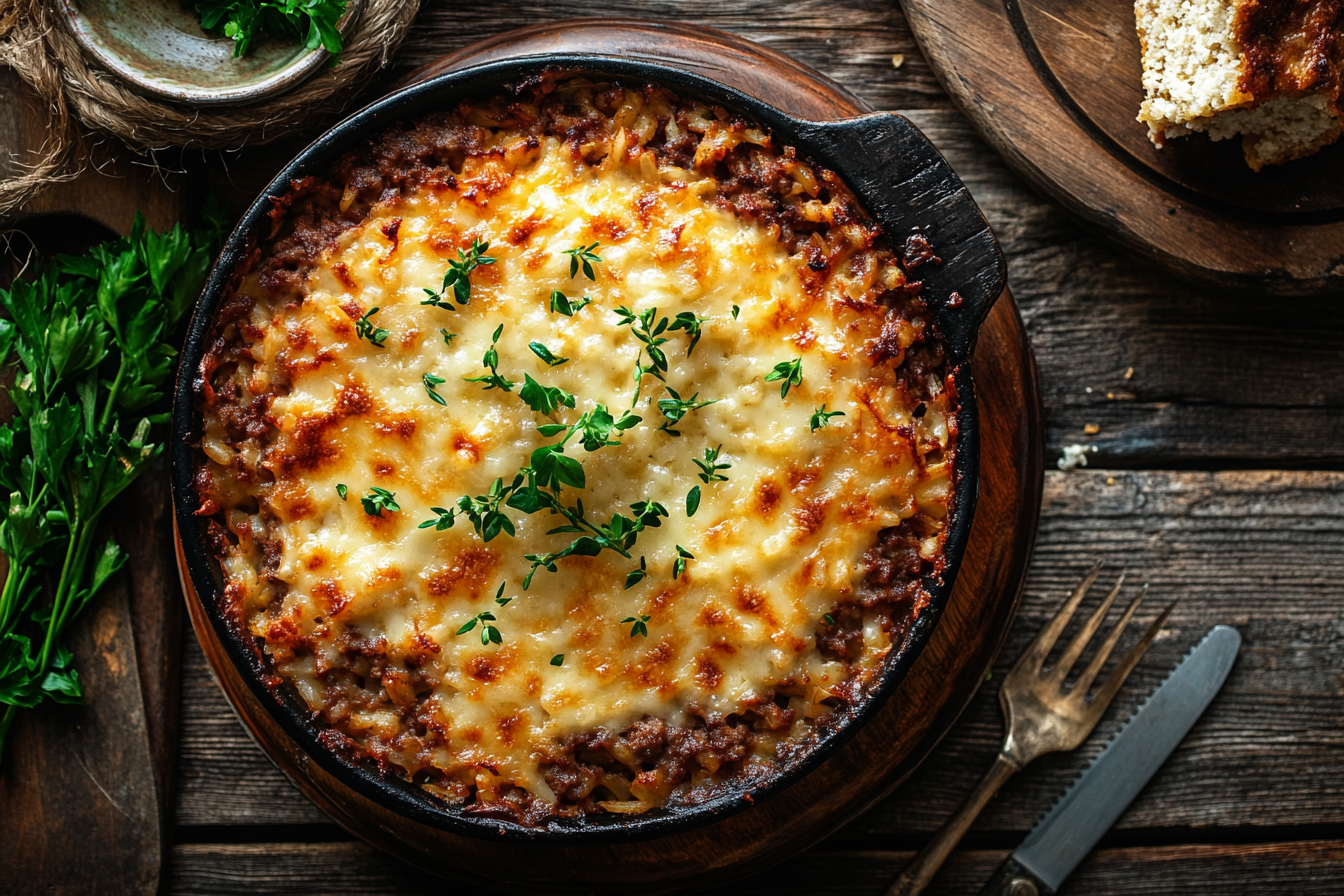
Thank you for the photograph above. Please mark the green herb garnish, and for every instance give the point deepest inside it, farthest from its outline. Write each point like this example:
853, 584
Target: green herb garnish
676, 407
563, 304
444, 519
830, 620
558, 659
491, 360
489, 634
544, 399
545, 354
635, 576
364, 328
582, 256
457, 279
710, 466
691, 323
640, 626
447, 337
430, 381
679, 566
692, 501
822, 417
736, 312
312, 21
89, 341
791, 372
341, 490
378, 500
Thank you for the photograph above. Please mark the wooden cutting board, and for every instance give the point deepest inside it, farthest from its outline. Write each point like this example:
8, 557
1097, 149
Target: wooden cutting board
1055, 85
84, 790
928, 701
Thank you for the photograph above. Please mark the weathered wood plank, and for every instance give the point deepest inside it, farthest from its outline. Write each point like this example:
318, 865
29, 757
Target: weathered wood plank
356, 869
850, 42
1231, 545
1219, 378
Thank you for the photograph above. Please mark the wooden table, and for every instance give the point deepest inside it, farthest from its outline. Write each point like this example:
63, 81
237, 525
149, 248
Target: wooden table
1219, 478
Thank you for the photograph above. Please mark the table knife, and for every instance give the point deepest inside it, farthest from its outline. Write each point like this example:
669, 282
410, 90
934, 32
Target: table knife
1088, 809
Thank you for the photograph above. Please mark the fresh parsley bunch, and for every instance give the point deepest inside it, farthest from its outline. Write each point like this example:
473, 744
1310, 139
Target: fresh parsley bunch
312, 21
89, 338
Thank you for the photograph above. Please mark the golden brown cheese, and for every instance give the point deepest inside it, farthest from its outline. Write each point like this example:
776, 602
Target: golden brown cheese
364, 614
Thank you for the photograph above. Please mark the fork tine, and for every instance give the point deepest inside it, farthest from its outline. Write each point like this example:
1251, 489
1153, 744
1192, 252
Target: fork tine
1090, 673
1034, 656
1121, 672
1079, 642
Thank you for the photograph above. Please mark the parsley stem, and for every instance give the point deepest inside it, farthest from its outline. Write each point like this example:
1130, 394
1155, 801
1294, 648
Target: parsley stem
106, 420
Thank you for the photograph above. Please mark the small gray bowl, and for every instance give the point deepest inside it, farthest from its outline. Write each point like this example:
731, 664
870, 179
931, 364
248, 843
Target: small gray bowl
160, 49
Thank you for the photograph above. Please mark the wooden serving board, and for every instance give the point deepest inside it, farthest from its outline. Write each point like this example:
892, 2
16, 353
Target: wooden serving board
931, 697
1055, 86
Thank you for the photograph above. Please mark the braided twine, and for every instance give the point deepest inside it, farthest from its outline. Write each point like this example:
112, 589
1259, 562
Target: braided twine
42, 51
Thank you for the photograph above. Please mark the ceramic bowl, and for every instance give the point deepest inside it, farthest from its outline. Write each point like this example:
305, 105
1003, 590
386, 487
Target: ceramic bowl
160, 49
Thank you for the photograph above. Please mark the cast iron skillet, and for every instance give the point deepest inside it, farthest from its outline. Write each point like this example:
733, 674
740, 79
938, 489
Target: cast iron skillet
896, 174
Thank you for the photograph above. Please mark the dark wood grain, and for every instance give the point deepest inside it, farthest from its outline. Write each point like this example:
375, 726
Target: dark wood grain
1304, 869
988, 64
1220, 378
927, 702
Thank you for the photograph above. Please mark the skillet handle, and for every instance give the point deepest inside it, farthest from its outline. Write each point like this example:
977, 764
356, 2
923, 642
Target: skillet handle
906, 181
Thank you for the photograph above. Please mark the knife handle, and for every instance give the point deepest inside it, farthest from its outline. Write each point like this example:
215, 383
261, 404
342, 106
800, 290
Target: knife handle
1014, 880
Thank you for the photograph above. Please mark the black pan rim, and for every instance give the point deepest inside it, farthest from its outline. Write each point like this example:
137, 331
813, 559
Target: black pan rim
392, 792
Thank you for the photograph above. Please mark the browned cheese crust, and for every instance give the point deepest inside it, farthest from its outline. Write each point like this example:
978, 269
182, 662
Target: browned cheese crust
258, 466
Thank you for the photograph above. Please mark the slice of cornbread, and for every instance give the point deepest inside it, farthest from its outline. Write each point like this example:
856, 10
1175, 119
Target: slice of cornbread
1269, 70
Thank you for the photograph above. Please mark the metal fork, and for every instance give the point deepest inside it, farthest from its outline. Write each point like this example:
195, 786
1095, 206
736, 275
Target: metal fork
1041, 716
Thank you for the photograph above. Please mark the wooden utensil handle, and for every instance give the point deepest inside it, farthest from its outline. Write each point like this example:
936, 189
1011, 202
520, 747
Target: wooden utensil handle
918, 873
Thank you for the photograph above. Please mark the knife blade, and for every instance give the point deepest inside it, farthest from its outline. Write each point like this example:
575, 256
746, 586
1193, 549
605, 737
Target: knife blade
1091, 805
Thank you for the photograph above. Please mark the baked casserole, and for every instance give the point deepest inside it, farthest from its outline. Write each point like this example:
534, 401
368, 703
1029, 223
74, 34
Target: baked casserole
576, 451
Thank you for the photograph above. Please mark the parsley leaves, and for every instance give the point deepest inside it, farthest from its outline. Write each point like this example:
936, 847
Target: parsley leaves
313, 21
544, 399
90, 338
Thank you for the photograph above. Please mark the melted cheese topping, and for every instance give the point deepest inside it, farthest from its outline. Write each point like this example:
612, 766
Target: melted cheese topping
776, 547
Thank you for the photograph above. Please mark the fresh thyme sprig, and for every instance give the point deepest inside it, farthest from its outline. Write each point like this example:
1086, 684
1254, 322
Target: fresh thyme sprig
430, 381
491, 360
635, 576
791, 372
619, 535
691, 323
378, 500
582, 256
484, 512
679, 566
822, 417
545, 354
489, 633
444, 519
640, 626
364, 328
710, 466
676, 407
544, 399
447, 337
457, 279
341, 490
563, 304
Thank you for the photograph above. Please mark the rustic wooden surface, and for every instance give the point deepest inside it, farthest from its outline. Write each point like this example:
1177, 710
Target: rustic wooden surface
926, 702
1054, 85
1226, 448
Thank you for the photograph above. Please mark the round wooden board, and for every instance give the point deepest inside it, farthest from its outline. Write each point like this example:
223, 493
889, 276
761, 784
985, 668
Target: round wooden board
1055, 85
933, 694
